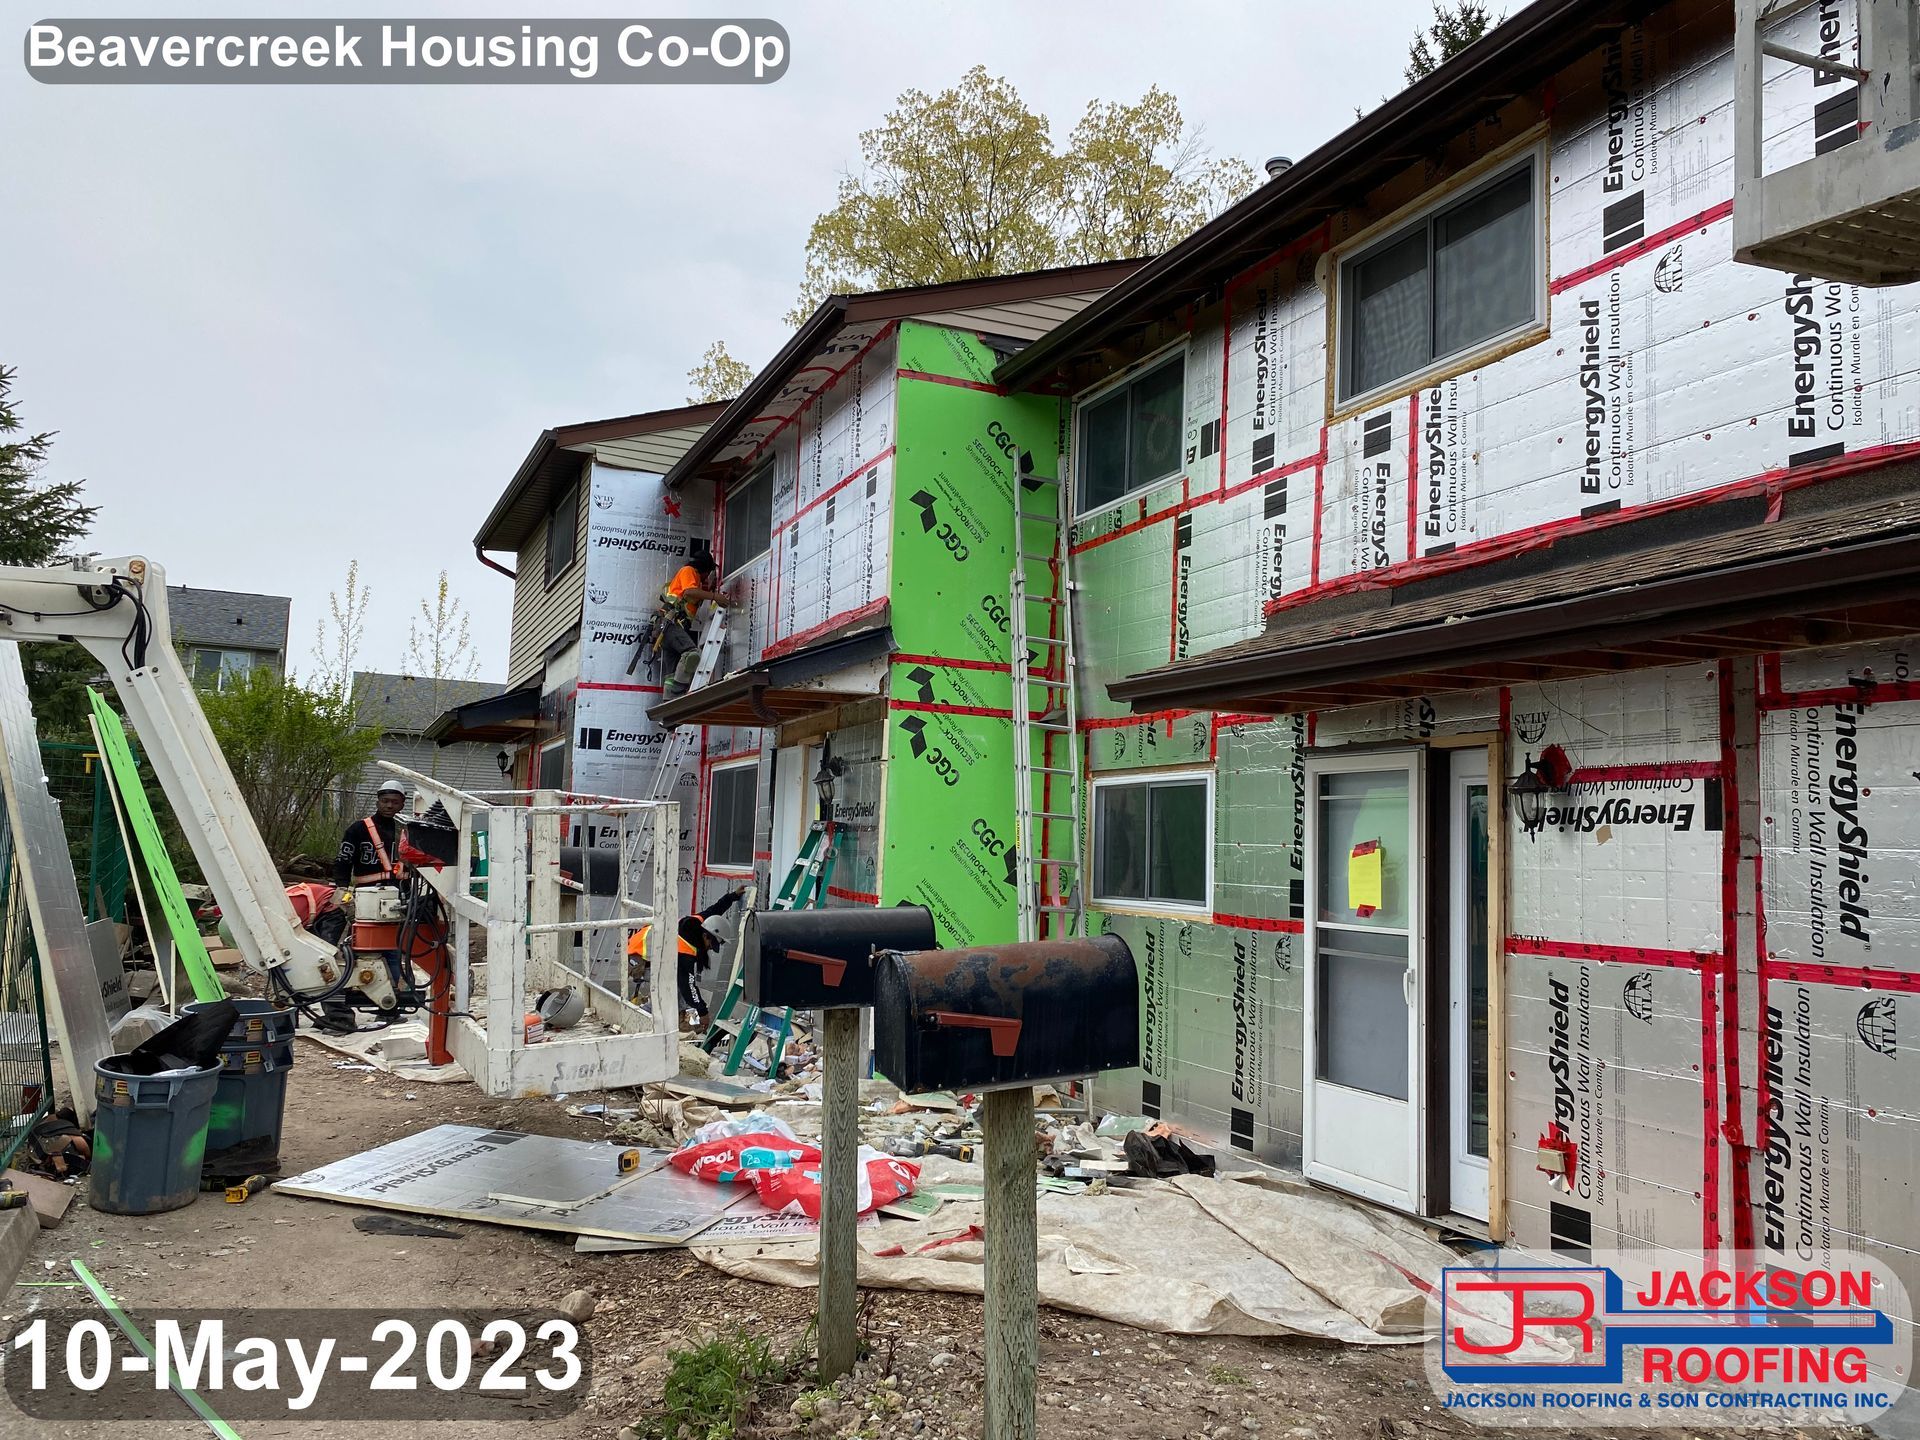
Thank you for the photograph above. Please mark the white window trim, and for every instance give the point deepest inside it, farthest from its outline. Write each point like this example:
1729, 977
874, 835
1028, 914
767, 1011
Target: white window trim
766, 468
1139, 370
1495, 169
1132, 905
706, 850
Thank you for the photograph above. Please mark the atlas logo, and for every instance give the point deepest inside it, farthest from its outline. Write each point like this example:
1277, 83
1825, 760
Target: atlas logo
1530, 725
1667, 274
1637, 996
598, 594
1876, 1025
603, 499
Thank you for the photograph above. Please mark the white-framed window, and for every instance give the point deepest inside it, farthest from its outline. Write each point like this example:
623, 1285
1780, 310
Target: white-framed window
1130, 435
217, 669
1467, 272
747, 528
1153, 840
731, 791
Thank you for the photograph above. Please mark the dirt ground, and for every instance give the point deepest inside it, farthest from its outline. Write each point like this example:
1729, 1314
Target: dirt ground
922, 1376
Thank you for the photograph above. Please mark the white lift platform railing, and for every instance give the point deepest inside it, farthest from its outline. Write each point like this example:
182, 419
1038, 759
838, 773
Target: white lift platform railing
526, 911
1851, 211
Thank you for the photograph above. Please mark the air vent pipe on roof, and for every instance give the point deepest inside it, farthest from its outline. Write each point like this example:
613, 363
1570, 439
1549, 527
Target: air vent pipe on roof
1278, 166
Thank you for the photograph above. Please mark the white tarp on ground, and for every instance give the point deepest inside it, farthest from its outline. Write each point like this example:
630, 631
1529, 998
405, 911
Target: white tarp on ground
1188, 1257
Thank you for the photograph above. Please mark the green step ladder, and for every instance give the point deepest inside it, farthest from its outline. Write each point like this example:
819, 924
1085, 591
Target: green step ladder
805, 888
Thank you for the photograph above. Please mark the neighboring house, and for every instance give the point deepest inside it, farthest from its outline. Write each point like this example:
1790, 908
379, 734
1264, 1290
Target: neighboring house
541, 521
403, 708
226, 634
1499, 696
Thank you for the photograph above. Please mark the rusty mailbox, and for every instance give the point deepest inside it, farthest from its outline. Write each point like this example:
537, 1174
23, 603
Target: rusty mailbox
1006, 1015
821, 959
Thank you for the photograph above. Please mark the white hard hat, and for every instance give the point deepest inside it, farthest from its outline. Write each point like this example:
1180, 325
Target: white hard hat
394, 785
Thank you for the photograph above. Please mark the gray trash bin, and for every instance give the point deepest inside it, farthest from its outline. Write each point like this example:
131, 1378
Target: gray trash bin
149, 1137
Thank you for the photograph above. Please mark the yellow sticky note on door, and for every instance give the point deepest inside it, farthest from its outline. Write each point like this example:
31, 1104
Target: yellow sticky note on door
1363, 878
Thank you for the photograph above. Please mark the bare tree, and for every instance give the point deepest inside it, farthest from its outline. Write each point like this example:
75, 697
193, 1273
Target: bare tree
336, 639
439, 639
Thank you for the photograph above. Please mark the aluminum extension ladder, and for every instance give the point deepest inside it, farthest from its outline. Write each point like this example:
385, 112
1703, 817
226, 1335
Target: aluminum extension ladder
1048, 788
680, 744
805, 888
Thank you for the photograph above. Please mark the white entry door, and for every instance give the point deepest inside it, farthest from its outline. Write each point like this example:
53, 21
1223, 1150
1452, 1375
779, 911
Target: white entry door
1468, 944
795, 803
1364, 1094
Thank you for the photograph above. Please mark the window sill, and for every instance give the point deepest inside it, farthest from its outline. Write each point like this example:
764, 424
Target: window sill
713, 869
1452, 368
1153, 909
1139, 492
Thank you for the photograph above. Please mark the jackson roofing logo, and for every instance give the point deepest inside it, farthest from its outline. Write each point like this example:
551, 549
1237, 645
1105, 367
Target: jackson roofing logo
1530, 1343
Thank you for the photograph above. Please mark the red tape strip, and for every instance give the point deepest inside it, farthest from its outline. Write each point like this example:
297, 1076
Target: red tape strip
1257, 922
1608, 954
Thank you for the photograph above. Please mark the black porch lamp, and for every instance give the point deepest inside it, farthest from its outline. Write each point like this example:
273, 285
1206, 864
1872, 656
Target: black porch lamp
831, 769
1539, 779
503, 760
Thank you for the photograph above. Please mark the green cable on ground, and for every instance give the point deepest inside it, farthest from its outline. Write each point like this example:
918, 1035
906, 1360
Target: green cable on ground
187, 944
140, 1343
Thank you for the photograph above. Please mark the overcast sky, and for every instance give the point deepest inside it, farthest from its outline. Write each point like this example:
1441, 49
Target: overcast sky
278, 329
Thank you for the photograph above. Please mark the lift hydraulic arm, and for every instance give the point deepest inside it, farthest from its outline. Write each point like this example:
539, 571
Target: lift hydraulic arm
117, 610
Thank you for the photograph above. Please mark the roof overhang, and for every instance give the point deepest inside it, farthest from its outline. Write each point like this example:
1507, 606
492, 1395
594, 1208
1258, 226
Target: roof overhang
1509, 60
508, 717
776, 692
1828, 577
556, 458
841, 326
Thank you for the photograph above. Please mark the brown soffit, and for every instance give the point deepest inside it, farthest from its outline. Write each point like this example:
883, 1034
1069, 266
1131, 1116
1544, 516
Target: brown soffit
1828, 579
586, 432
1521, 52
877, 307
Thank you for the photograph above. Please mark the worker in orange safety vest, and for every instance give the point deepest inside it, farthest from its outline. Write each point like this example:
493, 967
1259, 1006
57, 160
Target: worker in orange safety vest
370, 850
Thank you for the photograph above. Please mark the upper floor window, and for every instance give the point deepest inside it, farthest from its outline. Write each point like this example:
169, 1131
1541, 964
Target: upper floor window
748, 522
215, 669
1467, 271
1130, 435
563, 531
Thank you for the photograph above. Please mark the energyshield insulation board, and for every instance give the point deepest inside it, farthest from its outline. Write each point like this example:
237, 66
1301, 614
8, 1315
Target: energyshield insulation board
1840, 1125
950, 810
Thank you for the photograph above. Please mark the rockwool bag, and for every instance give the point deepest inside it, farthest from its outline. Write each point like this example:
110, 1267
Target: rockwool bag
739, 1149
882, 1179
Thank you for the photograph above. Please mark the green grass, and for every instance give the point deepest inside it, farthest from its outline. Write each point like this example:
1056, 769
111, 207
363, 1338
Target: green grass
711, 1388
1227, 1375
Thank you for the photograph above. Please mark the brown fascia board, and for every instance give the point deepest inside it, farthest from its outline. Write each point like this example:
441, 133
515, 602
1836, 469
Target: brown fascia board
586, 432
1840, 575
899, 304
1531, 46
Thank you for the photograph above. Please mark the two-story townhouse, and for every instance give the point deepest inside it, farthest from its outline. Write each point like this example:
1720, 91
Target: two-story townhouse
860, 496
542, 520
1498, 693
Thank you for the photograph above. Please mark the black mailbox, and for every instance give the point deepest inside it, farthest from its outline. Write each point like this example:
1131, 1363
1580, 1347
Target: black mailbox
818, 959
1008, 1015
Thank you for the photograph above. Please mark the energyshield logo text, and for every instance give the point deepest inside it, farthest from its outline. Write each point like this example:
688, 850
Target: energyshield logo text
1686, 1339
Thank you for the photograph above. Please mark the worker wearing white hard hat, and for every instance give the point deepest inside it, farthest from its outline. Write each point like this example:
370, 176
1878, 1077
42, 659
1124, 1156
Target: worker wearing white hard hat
370, 850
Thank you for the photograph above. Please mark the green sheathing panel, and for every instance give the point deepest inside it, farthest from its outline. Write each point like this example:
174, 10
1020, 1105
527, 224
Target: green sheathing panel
949, 790
165, 884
